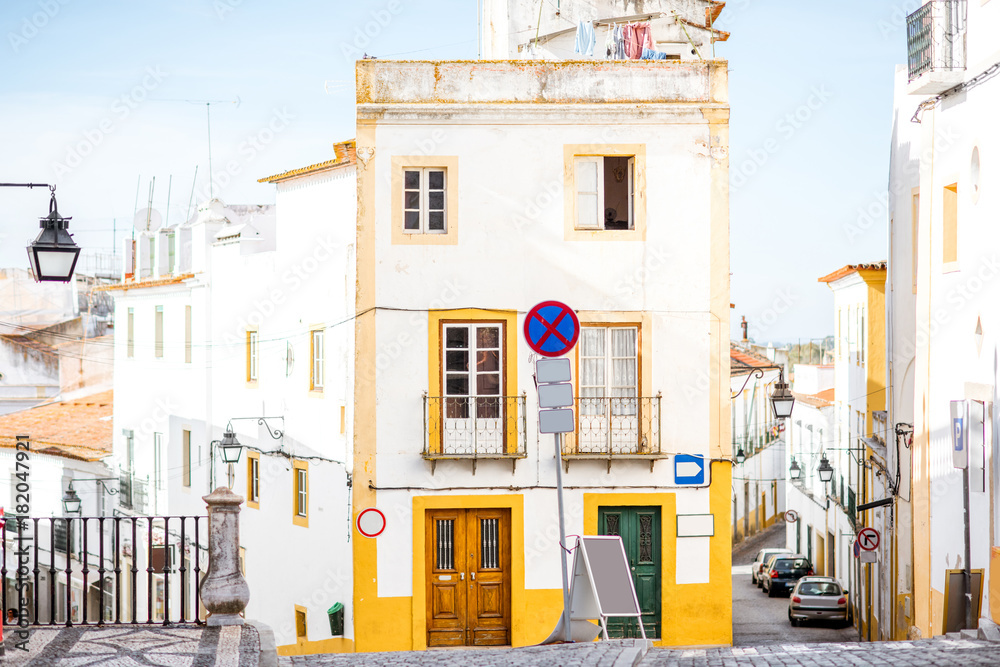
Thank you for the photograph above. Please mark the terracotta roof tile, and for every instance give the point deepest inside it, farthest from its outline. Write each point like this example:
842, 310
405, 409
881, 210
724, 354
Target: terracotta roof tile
743, 361
822, 399
852, 268
346, 154
79, 429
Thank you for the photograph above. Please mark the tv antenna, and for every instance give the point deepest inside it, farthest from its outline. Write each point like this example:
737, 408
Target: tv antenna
208, 116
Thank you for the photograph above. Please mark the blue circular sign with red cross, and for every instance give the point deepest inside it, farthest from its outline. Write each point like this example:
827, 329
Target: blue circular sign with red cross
551, 328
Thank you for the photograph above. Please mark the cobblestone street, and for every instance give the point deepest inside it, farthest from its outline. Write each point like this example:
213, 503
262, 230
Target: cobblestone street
923, 653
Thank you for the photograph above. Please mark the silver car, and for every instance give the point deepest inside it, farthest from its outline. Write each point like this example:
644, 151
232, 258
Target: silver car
817, 599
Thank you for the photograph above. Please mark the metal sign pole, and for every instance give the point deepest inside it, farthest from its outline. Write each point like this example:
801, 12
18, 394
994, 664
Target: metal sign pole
967, 573
567, 632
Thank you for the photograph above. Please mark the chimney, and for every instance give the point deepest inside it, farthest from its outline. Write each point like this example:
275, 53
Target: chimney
743, 325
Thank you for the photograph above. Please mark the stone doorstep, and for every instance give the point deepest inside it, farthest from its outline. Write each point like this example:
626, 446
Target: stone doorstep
988, 630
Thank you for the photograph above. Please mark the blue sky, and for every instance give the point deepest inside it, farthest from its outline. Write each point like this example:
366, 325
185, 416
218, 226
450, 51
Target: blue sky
97, 96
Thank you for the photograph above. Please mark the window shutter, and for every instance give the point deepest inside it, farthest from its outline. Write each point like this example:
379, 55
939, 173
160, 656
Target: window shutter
631, 193
589, 193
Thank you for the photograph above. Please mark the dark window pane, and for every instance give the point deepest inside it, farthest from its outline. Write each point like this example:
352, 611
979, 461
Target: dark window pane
488, 337
488, 384
457, 408
411, 220
412, 180
457, 361
435, 180
457, 385
412, 200
435, 220
488, 360
487, 408
435, 201
456, 338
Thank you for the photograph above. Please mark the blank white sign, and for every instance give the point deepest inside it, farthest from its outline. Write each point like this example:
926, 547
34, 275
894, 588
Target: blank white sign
556, 421
552, 370
555, 395
695, 525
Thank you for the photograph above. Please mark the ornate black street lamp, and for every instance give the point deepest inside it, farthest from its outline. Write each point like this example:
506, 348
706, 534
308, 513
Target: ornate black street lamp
53, 253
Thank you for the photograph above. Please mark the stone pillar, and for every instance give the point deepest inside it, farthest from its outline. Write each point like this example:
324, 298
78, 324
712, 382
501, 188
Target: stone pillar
224, 591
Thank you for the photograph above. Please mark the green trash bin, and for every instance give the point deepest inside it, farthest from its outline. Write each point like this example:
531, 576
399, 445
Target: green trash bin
336, 614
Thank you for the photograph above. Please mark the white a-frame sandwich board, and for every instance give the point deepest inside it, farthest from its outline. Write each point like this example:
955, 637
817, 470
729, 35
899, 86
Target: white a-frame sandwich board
602, 582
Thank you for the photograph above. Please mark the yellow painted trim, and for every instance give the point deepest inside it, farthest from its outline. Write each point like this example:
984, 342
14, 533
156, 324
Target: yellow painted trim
376, 620
450, 164
521, 633
252, 383
435, 318
643, 321
253, 456
692, 614
306, 647
570, 232
296, 518
719, 406
305, 615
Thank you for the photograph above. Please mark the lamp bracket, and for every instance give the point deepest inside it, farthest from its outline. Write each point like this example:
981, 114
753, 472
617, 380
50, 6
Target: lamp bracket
275, 433
100, 480
758, 372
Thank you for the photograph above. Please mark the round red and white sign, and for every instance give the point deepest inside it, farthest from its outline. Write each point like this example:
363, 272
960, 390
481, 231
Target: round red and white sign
791, 516
869, 539
371, 522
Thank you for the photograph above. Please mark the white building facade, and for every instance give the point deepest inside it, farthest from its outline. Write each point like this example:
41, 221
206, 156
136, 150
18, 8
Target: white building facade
943, 323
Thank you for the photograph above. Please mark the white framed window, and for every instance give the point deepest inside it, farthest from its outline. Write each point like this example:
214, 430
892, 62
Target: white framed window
609, 370
130, 343
158, 333
473, 370
317, 354
301, 492
425, 200
605, 191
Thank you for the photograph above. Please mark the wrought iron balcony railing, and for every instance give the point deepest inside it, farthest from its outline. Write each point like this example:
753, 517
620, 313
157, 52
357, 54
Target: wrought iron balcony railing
474, 427
935, 38
609, 426
759, 437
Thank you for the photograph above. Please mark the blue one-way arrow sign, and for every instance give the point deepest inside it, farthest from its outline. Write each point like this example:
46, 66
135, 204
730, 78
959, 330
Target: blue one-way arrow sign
689, 470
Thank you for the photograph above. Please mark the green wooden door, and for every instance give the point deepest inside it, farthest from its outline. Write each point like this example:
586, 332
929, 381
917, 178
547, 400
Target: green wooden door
639, 528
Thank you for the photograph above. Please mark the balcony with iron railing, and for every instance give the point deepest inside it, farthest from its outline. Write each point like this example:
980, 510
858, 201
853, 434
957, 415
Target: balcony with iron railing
615, 428
474, 428
758, 437
484, 427
935, 41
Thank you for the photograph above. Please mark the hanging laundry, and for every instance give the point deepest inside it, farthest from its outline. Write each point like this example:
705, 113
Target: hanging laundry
619, 43
632, 49
585, 38
609, 42
644, 35
650, 54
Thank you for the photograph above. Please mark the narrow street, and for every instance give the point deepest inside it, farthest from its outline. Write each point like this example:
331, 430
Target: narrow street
759, 620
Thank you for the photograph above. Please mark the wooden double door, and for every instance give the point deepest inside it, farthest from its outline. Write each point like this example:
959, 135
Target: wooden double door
468, 577
639, 528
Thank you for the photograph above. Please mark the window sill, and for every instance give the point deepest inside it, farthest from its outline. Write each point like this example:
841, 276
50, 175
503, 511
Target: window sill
251, 384
434, 457
253, 505
300, 520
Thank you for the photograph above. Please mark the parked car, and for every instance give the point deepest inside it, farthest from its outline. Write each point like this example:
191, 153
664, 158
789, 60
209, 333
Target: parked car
817, 599
761, 560
784, 571
765, 566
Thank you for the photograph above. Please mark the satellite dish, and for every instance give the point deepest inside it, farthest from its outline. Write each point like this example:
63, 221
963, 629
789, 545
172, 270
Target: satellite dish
147, 220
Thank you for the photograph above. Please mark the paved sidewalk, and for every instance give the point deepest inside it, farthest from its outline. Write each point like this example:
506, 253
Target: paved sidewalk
615, 653
922, 653
128, 646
